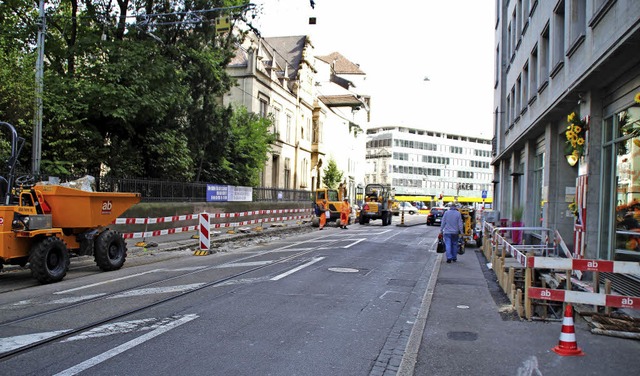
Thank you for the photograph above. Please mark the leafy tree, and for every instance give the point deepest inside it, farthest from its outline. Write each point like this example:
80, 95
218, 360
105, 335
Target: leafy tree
132, 88
332, 176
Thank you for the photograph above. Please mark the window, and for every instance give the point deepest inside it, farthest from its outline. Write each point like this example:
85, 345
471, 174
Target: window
619, 189
525, 16
288, 134
287, 173
497, 66
557, 56
543, 71
518, 98
533, 73
263, 107
577, 24
599, 9
525, 88
276, 121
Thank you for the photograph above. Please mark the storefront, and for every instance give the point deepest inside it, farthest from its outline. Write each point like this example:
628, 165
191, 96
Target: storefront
620, 206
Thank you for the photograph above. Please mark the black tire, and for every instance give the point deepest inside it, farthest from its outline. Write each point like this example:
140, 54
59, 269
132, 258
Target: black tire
49, 260
315, 222
361, 220
110, 250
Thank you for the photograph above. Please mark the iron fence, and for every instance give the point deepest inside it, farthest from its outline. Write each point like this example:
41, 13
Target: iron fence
171, 191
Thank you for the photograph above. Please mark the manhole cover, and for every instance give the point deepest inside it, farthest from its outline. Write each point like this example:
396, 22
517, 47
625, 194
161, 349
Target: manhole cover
462, 336
343, 270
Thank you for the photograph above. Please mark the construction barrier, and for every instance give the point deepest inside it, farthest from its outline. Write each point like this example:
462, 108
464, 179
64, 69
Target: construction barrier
527, 258
205, 231
219, 216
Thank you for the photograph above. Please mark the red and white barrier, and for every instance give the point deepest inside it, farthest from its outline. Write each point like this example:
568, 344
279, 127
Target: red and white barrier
205, 230
146, 234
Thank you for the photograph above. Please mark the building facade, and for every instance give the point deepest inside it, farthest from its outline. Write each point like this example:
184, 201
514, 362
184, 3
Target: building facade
419, 163
566, 146
316, 114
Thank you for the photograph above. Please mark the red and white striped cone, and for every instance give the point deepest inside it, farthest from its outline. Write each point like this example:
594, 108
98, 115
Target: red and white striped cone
567, 346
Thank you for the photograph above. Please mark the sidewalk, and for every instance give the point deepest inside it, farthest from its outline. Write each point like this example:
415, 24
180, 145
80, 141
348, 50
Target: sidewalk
466, 334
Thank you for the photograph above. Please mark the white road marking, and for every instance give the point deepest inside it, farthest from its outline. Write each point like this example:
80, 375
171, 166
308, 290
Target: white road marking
313, 261
529, 367
12, 343
122, 328
126, 346
129, 276
157, 290
105, 282
74, 299
244, 264
354, 243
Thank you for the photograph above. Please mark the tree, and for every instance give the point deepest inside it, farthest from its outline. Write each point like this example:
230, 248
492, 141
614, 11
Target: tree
132, 87
332, 176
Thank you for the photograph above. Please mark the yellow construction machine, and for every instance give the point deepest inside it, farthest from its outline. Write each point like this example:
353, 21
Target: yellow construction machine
41, 224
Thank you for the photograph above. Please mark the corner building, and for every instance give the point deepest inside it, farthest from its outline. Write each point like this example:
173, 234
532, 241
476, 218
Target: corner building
561, 64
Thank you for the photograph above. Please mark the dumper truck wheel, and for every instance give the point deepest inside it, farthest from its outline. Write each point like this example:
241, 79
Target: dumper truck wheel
110, 250
49, 260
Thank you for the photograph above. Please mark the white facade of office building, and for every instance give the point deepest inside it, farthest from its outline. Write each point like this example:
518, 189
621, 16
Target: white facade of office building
417, 162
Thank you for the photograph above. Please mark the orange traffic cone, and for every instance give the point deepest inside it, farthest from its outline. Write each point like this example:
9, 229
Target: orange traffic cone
567, 346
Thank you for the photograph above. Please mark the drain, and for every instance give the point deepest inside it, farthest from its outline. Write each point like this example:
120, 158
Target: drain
343, 270
462, 336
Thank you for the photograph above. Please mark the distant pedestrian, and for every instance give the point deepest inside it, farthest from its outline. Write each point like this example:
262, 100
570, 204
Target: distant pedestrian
451, 227
323, 213
345, 211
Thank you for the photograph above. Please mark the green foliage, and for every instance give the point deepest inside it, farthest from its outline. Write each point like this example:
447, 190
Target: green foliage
332, 176
127, 99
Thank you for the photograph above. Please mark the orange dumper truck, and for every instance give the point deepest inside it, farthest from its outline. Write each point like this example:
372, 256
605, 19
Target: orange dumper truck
42, 224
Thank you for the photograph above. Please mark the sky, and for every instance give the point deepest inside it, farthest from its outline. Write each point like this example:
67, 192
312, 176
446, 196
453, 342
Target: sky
399, 43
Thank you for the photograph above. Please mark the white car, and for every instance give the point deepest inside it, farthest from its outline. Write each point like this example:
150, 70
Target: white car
407, 208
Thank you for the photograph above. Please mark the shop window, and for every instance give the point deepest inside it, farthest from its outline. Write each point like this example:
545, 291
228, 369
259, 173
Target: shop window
627, 184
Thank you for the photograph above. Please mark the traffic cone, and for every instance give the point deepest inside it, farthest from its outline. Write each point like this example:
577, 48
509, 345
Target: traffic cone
567, 346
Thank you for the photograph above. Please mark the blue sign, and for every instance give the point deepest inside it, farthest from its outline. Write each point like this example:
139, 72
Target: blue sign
484, 194
217, 193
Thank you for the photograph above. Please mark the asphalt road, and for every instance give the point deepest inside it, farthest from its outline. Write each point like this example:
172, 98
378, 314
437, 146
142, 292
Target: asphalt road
331, 302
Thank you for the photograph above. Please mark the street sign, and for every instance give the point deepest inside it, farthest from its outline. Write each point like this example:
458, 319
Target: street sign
484, 194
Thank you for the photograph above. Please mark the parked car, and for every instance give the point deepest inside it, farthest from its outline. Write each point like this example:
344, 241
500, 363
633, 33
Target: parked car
407, 208
435, 216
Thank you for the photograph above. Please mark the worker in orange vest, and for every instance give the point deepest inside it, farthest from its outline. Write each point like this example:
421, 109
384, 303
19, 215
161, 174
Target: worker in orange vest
323, 215
345, 211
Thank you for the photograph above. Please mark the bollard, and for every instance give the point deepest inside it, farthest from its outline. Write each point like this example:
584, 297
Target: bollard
205, 242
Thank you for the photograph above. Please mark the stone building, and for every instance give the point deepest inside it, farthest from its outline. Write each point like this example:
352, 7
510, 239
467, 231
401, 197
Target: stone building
566, 146
317, 114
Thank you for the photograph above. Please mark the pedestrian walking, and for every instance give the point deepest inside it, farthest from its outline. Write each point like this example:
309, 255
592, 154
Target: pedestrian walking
323, 213
451, 227
345, 211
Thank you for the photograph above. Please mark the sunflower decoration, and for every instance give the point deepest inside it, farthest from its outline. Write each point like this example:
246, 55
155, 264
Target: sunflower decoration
575, 134
637, 97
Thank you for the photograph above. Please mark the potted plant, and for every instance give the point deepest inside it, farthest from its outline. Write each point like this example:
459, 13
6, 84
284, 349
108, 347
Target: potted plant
516, 221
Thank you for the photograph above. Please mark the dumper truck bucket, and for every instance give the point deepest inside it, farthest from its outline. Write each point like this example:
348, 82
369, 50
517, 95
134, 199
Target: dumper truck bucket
75, 208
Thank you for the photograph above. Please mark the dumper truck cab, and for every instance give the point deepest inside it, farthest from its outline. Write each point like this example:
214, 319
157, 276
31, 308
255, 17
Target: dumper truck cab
42, 224
378, 203
334, 199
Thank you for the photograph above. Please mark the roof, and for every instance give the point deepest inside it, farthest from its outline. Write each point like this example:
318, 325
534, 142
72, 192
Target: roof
340, 64
288, 52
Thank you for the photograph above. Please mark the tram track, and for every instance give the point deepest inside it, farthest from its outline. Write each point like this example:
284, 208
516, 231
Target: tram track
97, 323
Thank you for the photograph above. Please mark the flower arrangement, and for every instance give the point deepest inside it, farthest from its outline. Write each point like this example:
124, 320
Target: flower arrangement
629, 122
573, 208
575, 135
